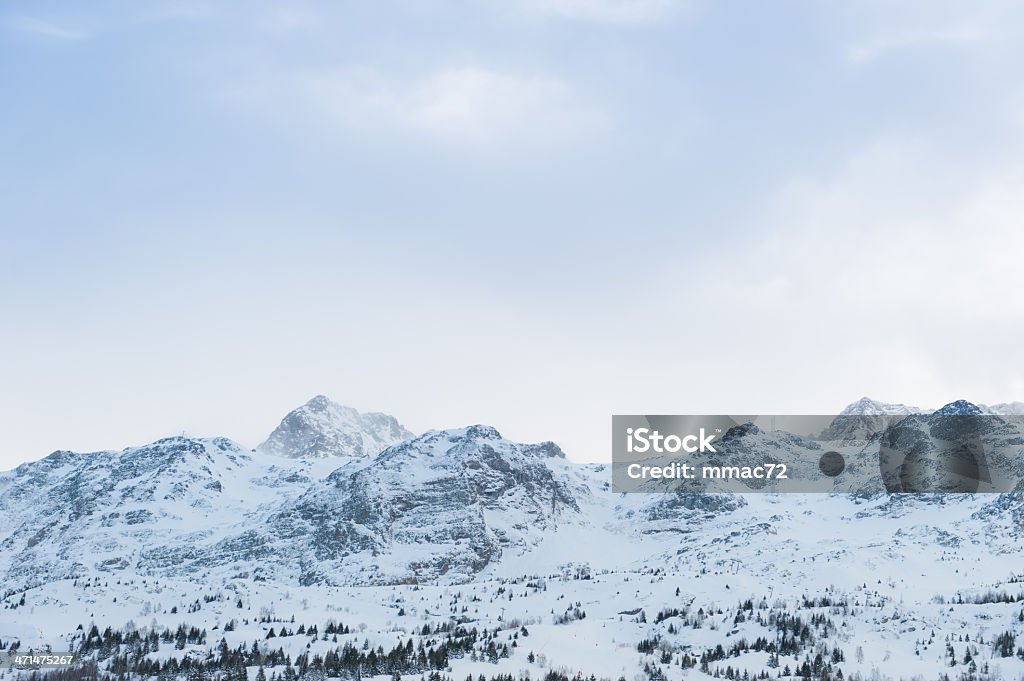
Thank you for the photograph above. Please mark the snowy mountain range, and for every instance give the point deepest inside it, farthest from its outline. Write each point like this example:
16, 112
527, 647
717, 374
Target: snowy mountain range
342, 510
319, 502
333, 496
866, 406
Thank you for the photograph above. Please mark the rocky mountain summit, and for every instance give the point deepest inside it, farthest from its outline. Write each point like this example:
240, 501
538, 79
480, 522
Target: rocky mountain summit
866, 406
322, 428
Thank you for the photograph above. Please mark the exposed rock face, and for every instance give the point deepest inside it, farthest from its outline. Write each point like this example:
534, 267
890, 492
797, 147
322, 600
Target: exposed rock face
446, 502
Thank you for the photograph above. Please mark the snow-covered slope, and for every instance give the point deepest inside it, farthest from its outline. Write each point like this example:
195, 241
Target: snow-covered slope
159, 507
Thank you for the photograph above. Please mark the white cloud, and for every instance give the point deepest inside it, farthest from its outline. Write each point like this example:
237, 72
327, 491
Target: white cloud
883, 44
896, 277
286, 19
903, 226
97, 25
43, 28
604, 11
468, 107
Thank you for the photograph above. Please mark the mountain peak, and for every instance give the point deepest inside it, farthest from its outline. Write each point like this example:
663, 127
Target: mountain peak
960, 408
866, 406
321, 403
322, 428
1005, 408
482, 432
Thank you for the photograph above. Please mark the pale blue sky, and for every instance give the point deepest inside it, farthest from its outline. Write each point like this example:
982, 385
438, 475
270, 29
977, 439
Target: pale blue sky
528, 213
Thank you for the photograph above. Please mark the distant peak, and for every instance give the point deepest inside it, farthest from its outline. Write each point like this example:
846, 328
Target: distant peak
1004, 408
960, 408
323, 428
866, 406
